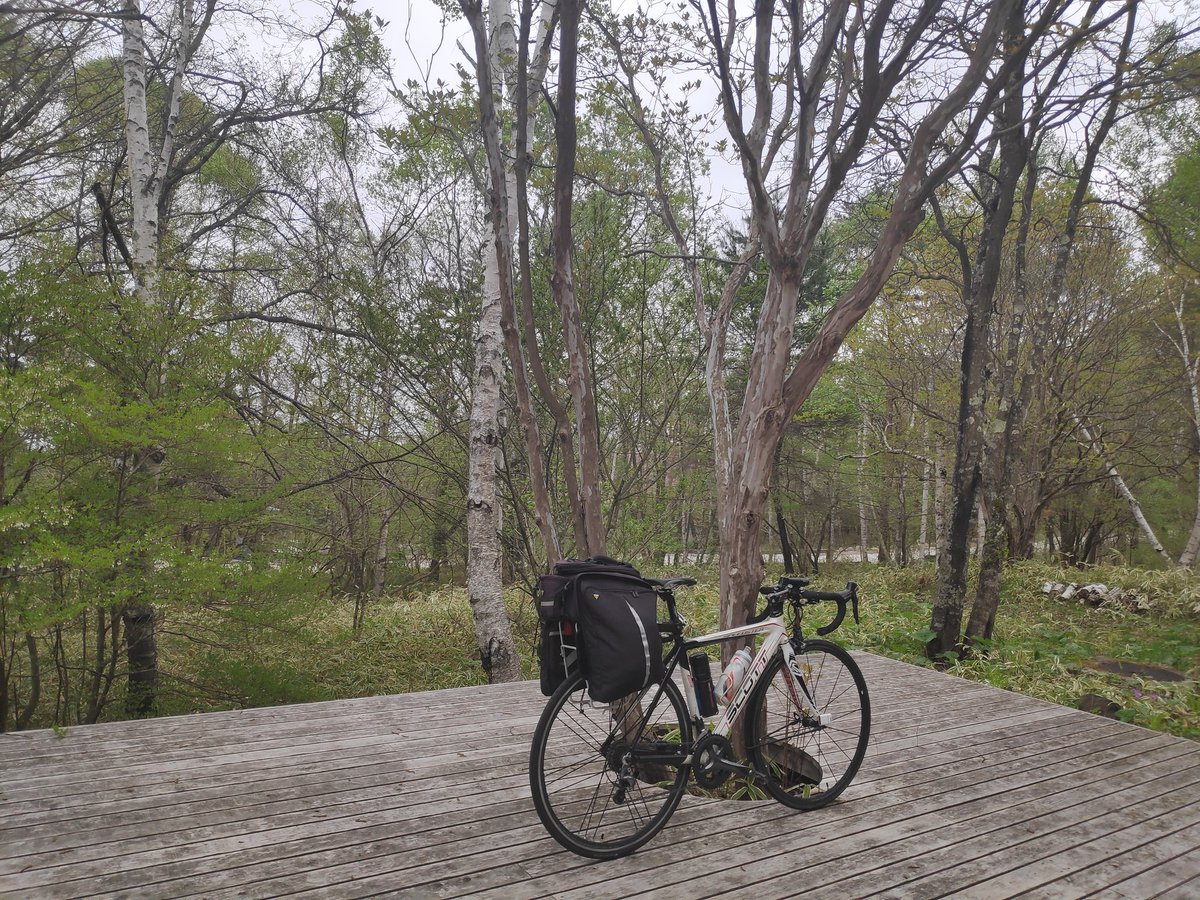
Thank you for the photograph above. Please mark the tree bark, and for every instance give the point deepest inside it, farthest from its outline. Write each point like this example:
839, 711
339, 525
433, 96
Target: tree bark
785, 546
926, 477
862, 490
493, 633
1191, 370
1092, 443
25, 711
562, 282
771, 399
980, 279
497, 325
503, 52
140, 160
146, 178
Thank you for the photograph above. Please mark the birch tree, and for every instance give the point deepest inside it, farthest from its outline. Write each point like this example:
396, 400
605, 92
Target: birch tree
504, 82
163, 149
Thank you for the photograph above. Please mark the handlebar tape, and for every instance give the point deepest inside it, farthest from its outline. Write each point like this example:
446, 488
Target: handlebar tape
838, 597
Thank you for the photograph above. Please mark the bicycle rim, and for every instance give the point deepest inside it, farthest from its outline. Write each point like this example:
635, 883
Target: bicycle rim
590, 792
809, 735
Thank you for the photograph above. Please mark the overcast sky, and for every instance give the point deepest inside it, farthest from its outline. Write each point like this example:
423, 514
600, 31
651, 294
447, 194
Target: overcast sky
425, 45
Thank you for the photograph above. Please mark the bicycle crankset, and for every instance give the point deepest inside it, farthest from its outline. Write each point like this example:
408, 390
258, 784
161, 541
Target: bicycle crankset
709, 758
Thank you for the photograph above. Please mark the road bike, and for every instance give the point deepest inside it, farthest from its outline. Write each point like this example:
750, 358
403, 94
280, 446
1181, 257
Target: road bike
606, 777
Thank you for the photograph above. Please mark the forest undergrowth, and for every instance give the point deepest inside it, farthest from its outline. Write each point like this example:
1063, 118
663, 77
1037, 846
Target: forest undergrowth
1042, 646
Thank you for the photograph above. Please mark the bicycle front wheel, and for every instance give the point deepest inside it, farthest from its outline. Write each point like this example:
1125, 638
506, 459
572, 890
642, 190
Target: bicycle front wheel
807, 729
602, 783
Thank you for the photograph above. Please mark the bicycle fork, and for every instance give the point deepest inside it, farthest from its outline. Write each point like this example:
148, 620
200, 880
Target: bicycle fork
797, 686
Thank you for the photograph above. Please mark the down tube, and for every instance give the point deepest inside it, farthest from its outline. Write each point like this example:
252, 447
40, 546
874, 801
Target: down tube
775, 637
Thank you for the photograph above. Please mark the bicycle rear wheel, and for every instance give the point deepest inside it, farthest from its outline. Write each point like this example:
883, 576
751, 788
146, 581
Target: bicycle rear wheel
594, 789
808, 733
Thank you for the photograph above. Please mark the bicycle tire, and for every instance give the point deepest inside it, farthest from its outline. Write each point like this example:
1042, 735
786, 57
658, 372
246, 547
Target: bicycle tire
575, 769
808, 763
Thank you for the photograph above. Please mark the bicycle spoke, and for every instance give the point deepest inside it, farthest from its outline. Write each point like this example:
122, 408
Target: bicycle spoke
809, 763
590, 788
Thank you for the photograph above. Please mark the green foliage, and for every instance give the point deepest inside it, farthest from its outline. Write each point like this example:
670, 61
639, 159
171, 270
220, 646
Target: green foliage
1041, 645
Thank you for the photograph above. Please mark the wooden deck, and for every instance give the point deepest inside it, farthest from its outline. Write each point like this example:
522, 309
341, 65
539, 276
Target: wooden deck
966, 790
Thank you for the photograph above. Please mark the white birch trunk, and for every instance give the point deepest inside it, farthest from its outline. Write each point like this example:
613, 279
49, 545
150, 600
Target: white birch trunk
1190, 367
926, 473
380, 569
1123, 489
493, 633
862, 492
143, 244
146, 179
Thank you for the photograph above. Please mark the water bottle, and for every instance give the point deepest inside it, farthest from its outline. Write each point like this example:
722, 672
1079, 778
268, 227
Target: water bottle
731, 679
702, 682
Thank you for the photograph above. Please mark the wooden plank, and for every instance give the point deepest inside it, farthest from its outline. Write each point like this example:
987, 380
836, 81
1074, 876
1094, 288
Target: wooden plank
758, 860
202, 725
1047, 837
660, 876
484, 865
1159, 878
181, 803
229, 861
998, 841
298, 821
427, 795
538, 833
895, 865
891, 795
1134, 850
1184, 890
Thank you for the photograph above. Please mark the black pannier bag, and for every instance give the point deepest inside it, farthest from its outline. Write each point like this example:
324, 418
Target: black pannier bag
615, 638
558, 650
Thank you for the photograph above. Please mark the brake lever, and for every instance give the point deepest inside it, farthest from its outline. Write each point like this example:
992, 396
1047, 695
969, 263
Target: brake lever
853, 599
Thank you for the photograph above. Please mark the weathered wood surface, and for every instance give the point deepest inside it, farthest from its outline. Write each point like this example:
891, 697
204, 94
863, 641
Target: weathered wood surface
966, 790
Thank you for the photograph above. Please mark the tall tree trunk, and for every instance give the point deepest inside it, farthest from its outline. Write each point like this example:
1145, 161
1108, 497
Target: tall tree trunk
141, 651
508, 57
1191, 370
980, 278
379, 567
493, 633
785, 546
485, 589
24, 711
497, 325
946, 621
145, 189
998, 474
926, 477
1091, 442
941, 519
562, 282
862, 490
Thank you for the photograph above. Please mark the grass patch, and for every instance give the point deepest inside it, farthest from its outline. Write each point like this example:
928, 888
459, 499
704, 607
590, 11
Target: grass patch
1041, 644
427, 642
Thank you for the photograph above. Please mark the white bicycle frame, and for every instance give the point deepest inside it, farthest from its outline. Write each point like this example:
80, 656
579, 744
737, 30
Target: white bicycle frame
776, 639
